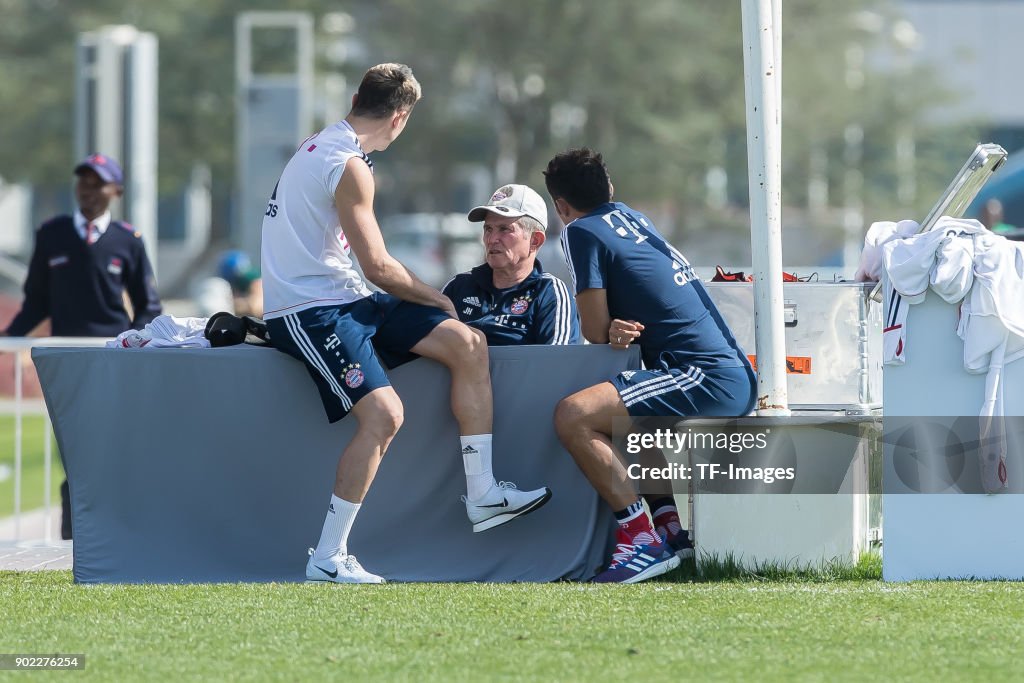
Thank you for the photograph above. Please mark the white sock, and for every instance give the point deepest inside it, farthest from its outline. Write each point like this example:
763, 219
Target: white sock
334, 537
476, 458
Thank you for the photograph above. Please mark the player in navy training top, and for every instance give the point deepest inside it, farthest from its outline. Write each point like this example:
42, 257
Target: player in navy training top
634, 287
509, 297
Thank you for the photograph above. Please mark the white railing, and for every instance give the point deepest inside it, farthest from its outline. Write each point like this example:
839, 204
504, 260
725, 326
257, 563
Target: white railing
18, 346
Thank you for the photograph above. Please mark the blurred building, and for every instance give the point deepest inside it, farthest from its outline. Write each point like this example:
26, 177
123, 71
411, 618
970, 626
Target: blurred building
974, 45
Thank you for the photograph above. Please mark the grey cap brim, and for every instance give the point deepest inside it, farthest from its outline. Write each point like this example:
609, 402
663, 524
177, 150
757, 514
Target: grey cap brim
479, 213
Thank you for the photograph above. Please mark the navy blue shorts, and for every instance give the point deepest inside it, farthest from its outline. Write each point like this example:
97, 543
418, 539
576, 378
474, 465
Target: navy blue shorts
340, 345
688, 391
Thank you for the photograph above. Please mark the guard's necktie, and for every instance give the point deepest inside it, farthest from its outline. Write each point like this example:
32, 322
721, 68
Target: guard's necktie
92, 233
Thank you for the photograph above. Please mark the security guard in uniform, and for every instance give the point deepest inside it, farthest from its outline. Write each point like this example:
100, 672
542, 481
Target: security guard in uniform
81, 267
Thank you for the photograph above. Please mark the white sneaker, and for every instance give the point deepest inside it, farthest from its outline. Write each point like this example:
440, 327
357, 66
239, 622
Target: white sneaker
503, 503
339, 569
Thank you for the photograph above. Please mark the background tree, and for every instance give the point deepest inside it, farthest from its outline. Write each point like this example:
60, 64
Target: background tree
657, 86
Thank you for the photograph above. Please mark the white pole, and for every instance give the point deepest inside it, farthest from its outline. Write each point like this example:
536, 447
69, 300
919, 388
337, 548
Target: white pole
760, 79
777, 51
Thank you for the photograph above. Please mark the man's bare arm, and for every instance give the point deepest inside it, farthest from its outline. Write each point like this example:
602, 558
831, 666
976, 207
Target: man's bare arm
354, 201
594, 316
598, 326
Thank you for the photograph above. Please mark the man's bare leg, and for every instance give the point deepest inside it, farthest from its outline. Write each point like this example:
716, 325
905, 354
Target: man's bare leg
584, 424
380, 415
463, 351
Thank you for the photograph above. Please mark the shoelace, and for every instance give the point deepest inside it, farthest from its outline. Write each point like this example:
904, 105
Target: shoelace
623, 552
350, 561
504, 485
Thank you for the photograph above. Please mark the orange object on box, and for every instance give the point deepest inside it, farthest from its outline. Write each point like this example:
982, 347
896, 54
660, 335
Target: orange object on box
795, 365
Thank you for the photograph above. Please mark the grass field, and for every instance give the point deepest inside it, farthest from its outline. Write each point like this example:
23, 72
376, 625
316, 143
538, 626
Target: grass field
32, 465
830, 622
817, 626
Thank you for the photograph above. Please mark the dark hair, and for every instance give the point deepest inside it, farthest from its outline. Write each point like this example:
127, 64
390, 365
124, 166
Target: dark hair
580, 177
385, 89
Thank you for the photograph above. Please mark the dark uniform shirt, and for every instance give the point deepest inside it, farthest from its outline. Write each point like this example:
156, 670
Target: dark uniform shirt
647, 280
539, 310
79, 286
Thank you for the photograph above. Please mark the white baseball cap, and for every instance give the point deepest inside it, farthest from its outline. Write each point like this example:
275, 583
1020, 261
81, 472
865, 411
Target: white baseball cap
513, 200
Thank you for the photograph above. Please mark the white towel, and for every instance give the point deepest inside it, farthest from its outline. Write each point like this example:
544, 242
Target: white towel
165, 331
962, 261
870, 269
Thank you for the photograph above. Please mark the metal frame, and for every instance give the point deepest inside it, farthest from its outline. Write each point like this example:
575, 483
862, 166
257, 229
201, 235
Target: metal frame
118, 66
249, 197
17, 346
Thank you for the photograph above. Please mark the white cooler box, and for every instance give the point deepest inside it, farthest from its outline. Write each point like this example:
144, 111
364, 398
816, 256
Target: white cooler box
834, 359
833, 341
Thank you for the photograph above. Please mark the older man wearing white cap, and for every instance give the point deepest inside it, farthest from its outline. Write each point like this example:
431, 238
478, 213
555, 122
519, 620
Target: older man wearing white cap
509, 297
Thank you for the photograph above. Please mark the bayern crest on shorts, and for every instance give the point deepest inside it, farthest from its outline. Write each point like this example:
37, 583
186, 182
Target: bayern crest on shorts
520, 305
353, 376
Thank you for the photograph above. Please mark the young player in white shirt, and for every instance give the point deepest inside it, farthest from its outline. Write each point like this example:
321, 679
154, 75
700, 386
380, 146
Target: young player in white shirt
319, 310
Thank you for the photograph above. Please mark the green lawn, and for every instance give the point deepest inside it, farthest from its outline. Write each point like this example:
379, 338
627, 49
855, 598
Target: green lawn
32, 465
749, 629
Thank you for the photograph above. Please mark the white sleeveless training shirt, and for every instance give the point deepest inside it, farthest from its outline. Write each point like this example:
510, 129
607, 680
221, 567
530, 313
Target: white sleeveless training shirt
305, 257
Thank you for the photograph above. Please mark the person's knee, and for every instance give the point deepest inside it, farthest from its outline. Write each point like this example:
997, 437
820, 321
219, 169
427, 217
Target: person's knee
569, 416
587, 412
392, 418
468, 346
456, 345
383, 416
475, 344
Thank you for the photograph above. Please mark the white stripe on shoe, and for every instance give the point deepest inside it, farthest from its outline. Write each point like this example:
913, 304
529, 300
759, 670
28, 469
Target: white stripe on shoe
656, 569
